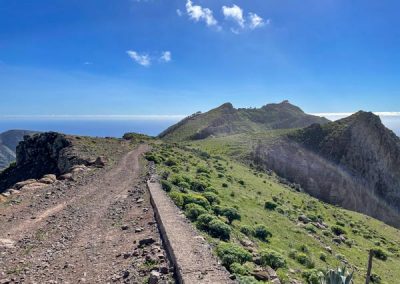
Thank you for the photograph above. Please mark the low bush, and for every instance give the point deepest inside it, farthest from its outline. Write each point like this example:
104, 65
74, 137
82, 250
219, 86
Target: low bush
231, 214
170, 162
270, 205
323, 256
313, 276
337, 230
272, 258
305, 260
218, 229
196, 198
177, 198
212, 198
193, 211
198, 185
261, 232
204, 220
225, 185
166, 185
247, 230
380, 254
202, 169
230, 253
239, 269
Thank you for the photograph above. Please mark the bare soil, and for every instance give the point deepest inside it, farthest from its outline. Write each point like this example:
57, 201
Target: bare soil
84, 231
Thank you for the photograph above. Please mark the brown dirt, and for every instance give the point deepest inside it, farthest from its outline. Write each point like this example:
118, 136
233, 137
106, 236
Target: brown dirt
83, 231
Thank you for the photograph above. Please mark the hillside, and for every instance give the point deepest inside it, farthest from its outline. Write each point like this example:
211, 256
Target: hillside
353, 162
259, 220
8, 144
227, 120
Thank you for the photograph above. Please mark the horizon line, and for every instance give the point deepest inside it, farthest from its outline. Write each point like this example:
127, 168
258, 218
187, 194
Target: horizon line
153, 116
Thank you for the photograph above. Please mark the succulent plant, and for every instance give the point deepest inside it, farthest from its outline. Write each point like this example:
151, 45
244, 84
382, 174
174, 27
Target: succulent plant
338, 276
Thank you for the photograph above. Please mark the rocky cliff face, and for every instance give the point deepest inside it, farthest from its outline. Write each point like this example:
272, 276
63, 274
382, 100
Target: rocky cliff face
39, 155
354, 162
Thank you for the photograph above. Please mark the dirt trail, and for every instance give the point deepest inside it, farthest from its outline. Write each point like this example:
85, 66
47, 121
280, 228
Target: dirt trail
87, 231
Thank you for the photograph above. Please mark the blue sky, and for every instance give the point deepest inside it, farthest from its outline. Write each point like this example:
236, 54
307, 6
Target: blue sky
122, 57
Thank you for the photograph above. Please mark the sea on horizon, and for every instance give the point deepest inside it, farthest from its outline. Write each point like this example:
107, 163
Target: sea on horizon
118, 127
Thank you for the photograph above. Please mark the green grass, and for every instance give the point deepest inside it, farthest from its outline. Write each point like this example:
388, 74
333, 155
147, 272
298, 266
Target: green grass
248, 190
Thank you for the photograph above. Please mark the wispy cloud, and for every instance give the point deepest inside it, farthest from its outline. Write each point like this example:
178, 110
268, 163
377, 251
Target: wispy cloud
198, 13
234, 13
166, 56
256, 21
142, 59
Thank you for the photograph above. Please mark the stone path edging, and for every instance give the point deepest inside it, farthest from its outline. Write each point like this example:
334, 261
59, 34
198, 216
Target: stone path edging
188, 251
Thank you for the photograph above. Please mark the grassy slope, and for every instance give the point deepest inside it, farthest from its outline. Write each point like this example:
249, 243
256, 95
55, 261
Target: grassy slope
287, 233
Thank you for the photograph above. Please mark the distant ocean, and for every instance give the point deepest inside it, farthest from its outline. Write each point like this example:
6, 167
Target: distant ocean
88, 127
117, 127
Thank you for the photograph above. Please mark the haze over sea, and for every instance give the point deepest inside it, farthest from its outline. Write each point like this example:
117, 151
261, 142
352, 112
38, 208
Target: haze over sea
117, 126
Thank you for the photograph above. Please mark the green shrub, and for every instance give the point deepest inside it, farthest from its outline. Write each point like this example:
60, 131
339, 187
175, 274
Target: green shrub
152, 157
310, 228
218, 229
323, 256
305, 260
247, 230
198, 186
204, 220
239, 269
292, 253
380, 254
269, 205
313, 276
375, 278
202, 169
338, 230
170, 162
304, 248
272, 258
166, 185
230, 253
177, 198
212, 198
196, 198
193, 211
241, 182
261, 232
225, 185
231, 214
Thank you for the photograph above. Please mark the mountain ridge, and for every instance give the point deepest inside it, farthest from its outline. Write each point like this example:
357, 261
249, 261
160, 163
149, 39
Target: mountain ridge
227, 120
8, 144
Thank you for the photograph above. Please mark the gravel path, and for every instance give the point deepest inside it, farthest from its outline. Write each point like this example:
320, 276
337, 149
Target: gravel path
99, 229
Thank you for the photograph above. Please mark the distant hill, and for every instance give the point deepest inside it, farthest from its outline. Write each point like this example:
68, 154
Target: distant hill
8, 144
353, 162
226, 120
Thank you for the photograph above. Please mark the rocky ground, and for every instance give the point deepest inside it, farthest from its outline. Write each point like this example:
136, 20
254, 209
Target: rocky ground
97, 228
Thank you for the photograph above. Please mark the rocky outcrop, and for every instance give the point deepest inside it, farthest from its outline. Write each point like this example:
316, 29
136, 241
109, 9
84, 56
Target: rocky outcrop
40, 155
354, 162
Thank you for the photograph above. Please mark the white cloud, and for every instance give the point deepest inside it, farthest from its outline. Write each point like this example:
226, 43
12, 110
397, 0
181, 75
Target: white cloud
166, 56
179, 12
235, 13
256, 21
142, 59
198, 13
